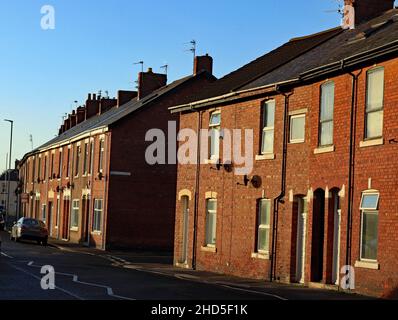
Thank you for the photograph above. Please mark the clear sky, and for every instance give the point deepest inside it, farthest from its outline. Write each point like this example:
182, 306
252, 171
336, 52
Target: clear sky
96, 42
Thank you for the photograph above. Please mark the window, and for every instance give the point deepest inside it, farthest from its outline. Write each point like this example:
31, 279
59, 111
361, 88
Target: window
58, 213
297, 128
98, 208
267, 140
77, 158
369, 226
51, 174
91, 167
39, 169
374, 103
60, 165
211, 222
45, 169
101, 156
215, 128
263, 226
85, 160
326, 115
75, 214
68, 164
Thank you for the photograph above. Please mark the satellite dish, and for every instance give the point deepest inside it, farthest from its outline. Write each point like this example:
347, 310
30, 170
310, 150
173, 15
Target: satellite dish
256, 182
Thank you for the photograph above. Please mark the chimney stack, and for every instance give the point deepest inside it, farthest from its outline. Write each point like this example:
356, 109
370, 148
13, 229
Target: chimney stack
149, 81
81, 114
203, 63
106, 104
359, 11
124, 96
92, 106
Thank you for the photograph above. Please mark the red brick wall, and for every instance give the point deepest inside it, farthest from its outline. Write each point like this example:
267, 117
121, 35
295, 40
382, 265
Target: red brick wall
306, 172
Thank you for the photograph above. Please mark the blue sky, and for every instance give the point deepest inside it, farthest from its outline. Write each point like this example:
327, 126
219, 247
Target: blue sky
96, 42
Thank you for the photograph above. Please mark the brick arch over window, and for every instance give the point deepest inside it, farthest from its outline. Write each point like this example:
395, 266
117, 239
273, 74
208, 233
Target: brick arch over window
211, 195
185, 193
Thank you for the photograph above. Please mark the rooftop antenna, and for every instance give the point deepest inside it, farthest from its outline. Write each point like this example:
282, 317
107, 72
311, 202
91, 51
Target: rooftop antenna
339, 10
31, 141
142, 65
99, 94
166, 68
106, 94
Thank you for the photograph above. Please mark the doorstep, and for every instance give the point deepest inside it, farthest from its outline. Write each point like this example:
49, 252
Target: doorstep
318, 285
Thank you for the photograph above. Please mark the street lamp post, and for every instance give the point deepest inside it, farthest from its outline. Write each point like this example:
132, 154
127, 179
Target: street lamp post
9, 168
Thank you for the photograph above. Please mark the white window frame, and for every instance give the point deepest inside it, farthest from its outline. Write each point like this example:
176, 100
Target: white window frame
369, 194
263, 226
291, 140
321, 121
208, 212
216, 127
101, 155
44, 212
86, 158
98, 210
375, 212
75, 214
381, 109
267, 129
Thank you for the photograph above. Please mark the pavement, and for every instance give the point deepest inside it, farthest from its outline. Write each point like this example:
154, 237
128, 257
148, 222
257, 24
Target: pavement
90, 274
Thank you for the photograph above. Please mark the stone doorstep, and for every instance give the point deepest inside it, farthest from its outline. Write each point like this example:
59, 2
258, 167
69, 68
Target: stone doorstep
317, 285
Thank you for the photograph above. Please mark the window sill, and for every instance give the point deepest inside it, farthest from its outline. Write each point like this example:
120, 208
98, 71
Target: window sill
75, 229
261, 256
296, 141
371, 143
209, 249
367, 265
96, 233
211, 161
321, 150
268, 156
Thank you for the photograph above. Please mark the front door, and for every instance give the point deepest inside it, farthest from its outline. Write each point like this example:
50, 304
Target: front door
65, 220
301, 238
185, 226
86, 220
50, 218
336, 243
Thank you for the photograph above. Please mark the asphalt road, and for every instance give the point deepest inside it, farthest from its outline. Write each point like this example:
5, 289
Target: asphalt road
84, 277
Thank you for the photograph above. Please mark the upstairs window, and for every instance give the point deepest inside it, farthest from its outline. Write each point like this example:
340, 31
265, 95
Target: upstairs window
86, 157
268, 122
215, 128
101, 156
326, 115
297, 128
374, 103
77, 164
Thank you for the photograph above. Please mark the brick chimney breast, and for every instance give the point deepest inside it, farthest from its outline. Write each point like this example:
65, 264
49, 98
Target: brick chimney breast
106, 104
124, 96
203, 63
149, 81
359, 11
92, 106
81, 114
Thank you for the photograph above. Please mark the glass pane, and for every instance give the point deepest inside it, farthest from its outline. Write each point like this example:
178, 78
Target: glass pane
215, 119
212, 205
297, 128
369, 236
269, 114
214, 143
375, 90
370, 201
263, 240
268, 141
374, 124
265, 212
327, 101
326, 133
211, 228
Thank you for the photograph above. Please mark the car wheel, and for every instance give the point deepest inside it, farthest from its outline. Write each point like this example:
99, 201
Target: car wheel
16, 239
44, 242
11, 237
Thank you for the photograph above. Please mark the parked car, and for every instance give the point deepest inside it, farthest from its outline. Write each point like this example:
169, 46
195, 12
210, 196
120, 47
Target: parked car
30, 229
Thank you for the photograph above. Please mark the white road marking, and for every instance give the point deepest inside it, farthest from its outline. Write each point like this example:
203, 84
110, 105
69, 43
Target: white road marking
75, 278
6, 255
56, 287
256, 292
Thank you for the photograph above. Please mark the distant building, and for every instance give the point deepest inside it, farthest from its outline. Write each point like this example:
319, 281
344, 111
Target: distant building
4, 177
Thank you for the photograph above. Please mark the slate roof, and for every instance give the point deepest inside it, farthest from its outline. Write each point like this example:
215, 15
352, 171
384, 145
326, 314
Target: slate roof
266, 63
112, 115
370, 35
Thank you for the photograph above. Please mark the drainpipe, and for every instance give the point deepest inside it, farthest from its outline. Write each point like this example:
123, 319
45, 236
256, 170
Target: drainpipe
197, 184
354, 100
279, 199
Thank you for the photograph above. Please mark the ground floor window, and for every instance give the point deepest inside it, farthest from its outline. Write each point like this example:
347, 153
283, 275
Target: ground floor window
263, 226
44, 212
75, 214
98, 209
369, 226
211, 222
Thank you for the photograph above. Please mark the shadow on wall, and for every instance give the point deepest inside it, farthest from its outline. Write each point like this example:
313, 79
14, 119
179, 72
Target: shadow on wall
392, 295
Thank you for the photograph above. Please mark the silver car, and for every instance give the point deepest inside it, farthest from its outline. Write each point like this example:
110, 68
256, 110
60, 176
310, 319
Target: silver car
30, 229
